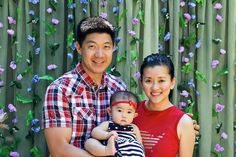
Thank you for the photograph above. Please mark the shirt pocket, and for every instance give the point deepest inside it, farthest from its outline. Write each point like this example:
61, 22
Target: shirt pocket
83, 113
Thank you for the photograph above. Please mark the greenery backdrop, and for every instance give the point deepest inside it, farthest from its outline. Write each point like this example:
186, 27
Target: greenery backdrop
37, 45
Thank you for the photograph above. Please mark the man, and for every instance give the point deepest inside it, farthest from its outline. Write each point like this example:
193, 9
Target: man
76, 102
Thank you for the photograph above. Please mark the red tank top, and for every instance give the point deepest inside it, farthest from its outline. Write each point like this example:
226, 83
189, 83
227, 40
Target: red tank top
159, 130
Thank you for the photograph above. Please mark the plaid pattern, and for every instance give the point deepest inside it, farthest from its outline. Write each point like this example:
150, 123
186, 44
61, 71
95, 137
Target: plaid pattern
75, 101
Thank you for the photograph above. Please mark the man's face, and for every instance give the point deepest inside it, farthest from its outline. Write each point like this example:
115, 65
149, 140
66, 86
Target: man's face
96, 51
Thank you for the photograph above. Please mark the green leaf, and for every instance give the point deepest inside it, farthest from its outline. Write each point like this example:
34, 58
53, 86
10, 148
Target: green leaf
161, 32
141, 16
53, 4
187, 68
224, 71
215, 154
133, 54
28, 70
188, 41
17, 84
35, 152
201, 2
123, 14
133, 83
46, 77
18, 57
4, 151
2, 106
182, 21
29, 118
214, 113
23, 100
200, 76
141, 97
53, 48
50, 29
121, 58
70, 39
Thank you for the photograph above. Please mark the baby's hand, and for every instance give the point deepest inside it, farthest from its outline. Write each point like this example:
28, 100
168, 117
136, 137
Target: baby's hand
112, 133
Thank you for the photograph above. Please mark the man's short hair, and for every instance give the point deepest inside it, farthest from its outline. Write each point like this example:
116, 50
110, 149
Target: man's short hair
94, 25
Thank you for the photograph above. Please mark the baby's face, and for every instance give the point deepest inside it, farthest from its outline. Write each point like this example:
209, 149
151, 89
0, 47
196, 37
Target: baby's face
123, 113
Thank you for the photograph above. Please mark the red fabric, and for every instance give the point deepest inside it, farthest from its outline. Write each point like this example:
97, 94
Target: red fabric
159, 130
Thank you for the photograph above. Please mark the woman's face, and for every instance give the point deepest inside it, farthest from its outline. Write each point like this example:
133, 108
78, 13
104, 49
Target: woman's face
157, 84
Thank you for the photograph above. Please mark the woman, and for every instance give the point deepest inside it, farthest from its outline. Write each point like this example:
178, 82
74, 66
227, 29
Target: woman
166, 131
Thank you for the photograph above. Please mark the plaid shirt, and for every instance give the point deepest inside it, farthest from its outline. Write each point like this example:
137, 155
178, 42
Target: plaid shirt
75, 101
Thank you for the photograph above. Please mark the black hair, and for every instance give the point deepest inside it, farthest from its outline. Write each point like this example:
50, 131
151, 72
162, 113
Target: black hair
94, 25
157, 59
123, 95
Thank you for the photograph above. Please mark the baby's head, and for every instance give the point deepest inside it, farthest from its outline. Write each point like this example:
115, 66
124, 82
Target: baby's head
123, 107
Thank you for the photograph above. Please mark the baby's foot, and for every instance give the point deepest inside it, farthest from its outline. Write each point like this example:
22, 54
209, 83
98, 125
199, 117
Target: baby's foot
110, 148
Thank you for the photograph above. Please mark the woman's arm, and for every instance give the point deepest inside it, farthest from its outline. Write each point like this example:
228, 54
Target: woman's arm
186, 136
137, 133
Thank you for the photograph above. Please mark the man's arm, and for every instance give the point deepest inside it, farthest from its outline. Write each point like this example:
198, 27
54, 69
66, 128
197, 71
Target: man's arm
58, 143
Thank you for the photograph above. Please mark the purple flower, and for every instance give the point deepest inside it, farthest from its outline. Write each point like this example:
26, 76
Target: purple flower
222, 51
103, 15
34, 121
185, 59
35, 129
84, 11
163, 10
115, 10
55, 21
117, 39
84, 1
184, 93
219, 18
49, 10
137, 75
31, 12
182, 104
29, 90
103, 3
224, 136
218, 6
1, 83
11, 108
218, 148
1, 25
11, 32
72, 5
193, 16
52, 66
13, 65
70, 55
1, 70
119, 1
190, 54
134, 21
215, 63
187, 16
19, 77
37, 50
191, 4
219, 107
35, 79
15, 120
191, 83
11, 20
70, 17
182, 3
34, 1
181, 49
160, 47
116, 49
131, 33
167, 36
198, 44
31, 39
14, 154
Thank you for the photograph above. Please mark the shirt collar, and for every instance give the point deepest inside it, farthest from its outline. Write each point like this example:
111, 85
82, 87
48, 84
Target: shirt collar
88, 80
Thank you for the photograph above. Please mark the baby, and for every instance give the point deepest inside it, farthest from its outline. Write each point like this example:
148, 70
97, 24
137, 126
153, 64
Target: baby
123, 138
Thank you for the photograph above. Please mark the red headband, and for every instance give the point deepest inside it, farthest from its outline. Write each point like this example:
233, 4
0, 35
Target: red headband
130, 102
